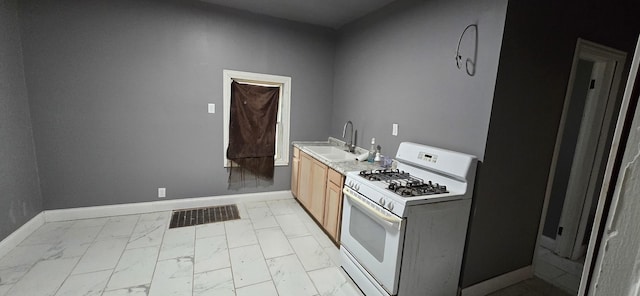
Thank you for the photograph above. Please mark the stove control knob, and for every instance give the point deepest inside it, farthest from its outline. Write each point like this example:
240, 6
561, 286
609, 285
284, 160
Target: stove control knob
350, 183
390, 206
357, 187
381, 202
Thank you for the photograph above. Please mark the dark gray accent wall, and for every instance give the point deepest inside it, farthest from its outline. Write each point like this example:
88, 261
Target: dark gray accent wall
535, 63
119, 92
397, 66
20, 198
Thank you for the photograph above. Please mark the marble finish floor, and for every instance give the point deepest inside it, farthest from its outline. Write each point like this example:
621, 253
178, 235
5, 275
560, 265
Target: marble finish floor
531, 287
275, 249
560, 272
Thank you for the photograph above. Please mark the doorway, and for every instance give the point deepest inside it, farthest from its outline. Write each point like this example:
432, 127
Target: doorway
578, 164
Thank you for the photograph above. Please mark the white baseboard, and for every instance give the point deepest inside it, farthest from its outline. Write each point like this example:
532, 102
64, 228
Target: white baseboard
499, 282
158, 206
16, 237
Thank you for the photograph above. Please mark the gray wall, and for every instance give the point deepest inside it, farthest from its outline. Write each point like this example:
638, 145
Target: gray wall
119, 92
398, 66
535, 62
20, 197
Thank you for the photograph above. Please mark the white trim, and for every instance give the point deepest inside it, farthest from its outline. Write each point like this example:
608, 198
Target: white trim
499, 282
284, 108
158, 206
16, 237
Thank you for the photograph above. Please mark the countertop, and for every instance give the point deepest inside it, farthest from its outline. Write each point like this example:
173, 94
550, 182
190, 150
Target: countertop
341, 167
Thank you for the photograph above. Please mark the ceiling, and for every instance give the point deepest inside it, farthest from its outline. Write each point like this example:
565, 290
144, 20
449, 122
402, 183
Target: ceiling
327, 13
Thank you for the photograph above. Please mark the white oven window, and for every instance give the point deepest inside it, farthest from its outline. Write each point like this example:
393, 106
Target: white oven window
369, 234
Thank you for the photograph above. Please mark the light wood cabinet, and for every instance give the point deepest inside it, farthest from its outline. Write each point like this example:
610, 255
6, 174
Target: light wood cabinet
319, 190
295, 171
333, 205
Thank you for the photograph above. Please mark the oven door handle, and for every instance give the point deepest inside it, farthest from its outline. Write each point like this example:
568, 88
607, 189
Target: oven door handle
388, 219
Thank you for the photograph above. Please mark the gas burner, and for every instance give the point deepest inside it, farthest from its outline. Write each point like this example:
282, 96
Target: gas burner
384, 175
416, 187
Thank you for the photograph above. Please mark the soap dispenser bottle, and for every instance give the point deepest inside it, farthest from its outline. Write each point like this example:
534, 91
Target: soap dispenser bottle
372, 151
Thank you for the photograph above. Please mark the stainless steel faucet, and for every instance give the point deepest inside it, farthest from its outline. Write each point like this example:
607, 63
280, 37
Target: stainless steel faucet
350, 145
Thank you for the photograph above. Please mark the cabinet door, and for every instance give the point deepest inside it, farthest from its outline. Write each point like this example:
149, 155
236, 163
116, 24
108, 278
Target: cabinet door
318, 189
295, 165
304, 180
332, 210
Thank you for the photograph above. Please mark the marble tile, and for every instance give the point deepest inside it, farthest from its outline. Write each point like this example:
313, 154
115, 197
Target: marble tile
211, 254
135, 268
255, 204
290, 277
261, 217
215, 282
249, 266
178, 242
89, 222
262, 289
209, 230
156, 216
281, 207
332, 282
310, 253
547, 271
45, 277
49, 233
273, 242
81, 235
568, 282
260, 212
141, 290
13, 274
120, 226
240, 233
265, 222
102, 255
147, 234
173, 277
24, 255
65, 250
334, 254
242, 211
86, 284
292, 226
4, 289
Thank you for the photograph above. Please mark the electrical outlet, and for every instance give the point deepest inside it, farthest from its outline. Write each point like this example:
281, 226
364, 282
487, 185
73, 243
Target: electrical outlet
211, 108
162, 192
394, 131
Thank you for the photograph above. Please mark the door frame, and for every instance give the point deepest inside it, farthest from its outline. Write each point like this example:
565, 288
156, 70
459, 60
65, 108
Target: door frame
625, 118
571, 220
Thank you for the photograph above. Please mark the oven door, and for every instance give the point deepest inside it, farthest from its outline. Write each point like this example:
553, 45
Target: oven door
374, 237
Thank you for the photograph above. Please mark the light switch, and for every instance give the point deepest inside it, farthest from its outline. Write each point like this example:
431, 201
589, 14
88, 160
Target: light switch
212, 108
394, 132
162, 192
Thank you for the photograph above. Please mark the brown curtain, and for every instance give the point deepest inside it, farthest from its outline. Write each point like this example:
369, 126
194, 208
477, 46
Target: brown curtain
252, 133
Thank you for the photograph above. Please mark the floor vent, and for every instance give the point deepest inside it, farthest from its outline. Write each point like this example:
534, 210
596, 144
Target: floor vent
190, 217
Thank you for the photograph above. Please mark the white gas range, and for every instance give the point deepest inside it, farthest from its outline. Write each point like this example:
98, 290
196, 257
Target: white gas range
403, 230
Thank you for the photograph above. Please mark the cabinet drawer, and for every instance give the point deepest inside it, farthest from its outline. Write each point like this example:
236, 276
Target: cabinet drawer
335, 177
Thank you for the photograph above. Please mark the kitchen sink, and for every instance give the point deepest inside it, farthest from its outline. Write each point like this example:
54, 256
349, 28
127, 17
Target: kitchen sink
331, 153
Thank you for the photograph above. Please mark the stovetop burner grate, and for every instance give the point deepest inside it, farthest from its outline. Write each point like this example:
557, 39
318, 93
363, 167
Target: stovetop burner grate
403, 184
